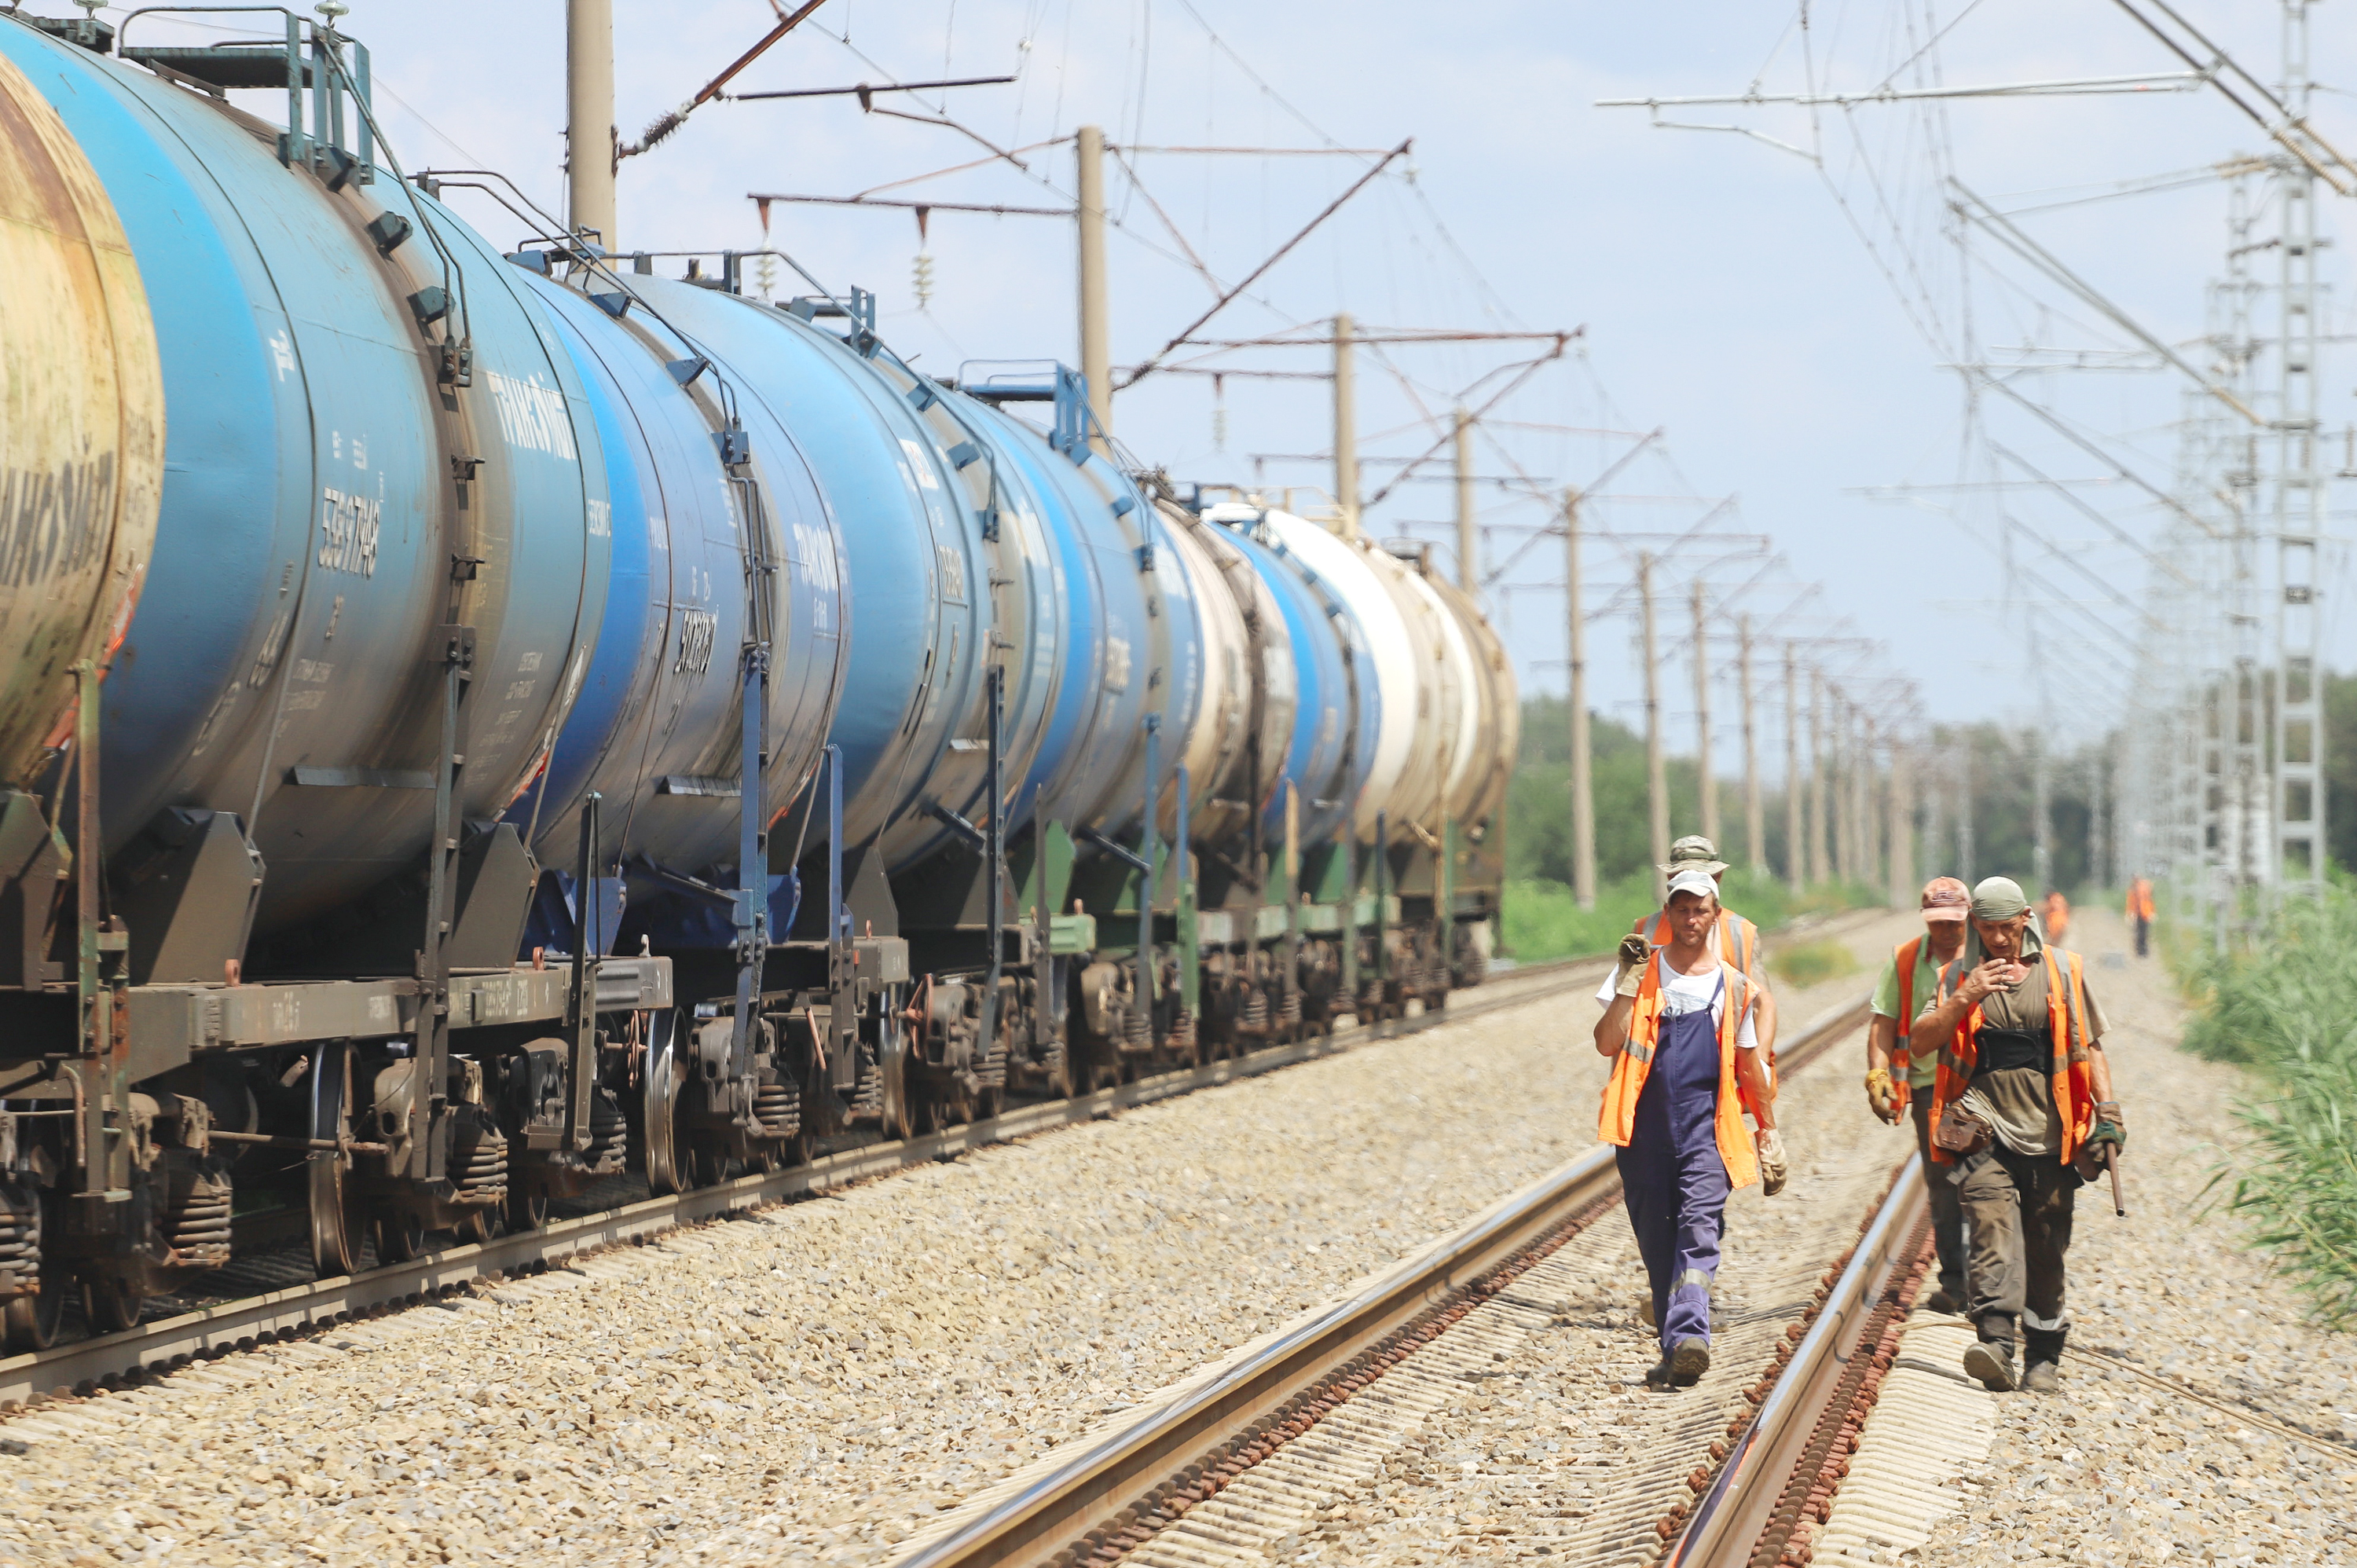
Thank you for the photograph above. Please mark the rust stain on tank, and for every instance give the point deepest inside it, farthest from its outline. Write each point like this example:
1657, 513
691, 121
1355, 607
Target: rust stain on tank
82, 425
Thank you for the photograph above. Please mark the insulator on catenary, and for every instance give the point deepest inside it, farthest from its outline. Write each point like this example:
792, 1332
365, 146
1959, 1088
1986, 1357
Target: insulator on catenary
924, 280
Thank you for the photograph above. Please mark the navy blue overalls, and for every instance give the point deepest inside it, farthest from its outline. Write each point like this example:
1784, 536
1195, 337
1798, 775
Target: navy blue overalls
1673, 1177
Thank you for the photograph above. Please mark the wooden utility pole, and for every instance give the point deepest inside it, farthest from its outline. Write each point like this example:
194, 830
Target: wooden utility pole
1755, 818
1468, 532
1705, 785
1583, 777
590, 116
1818, 870
1345, 429
1796, 865
1096, 330
1657, 784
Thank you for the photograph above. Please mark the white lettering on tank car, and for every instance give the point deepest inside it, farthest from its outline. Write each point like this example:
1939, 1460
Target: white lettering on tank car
1116, 669
528, 664
348, 533
601, 520
282, 354
695, 635
533, 417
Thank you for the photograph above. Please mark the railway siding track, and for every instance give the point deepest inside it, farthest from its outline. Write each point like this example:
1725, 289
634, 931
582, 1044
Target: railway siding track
298, 1313
1228, 1463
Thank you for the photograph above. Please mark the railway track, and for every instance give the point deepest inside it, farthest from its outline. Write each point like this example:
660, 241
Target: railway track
165, 1344
1232, 1464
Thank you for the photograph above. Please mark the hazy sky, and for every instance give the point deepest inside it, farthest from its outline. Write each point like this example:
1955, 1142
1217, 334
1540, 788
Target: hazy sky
1784, 319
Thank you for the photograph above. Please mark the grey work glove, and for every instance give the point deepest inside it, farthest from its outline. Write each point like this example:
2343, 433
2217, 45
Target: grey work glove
1774, 1172
1635, 952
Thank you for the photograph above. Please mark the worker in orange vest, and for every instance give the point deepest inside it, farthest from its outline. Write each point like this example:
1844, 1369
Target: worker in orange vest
1680, 1031
2021, 1112
2140, 911
1732, 937
2057, 916
1897, 1081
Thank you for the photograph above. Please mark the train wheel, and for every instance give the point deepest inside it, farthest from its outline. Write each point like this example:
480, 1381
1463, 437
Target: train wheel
400, 1236
335, 1209
707, 1164
31, 1321
659, 1104
986, 1104
112, 1306
479, 1225
524, 1210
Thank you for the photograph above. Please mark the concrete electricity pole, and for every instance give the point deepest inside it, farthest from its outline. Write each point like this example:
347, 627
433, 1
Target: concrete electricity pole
1657, 784
590, 116
1816, 855
1346, 430
1469, 532
1096, 330
1706, 786
1901, 831
1755, 819
1583, 778
2041, 826
1796, 868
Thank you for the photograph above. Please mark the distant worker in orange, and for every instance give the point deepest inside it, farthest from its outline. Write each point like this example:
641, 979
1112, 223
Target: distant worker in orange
2057, 916
2140, 912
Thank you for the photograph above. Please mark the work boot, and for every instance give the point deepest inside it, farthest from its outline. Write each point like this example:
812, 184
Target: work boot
1689, 1359
1664, 1373
2041, 1356
2042, 1377
1991, 1362
1645, 1313
1944, 1298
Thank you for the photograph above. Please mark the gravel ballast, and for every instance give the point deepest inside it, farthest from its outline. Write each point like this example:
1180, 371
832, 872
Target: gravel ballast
811, 1383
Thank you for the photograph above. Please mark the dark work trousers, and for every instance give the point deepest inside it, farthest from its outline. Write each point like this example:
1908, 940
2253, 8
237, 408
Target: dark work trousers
2144, 936
2019, 1211
1947, 1209
1673, 1177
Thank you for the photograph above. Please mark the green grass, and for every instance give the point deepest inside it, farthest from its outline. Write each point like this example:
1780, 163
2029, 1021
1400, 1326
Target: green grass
1812, 964
2287, 1006
1543, 921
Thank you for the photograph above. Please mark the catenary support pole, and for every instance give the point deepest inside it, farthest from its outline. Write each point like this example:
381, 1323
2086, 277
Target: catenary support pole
590, 116
1657, 785
1706, 783
1583, 777
1818, 870
1096, 330
1469, 530
1345, 429
1755, 813
1796, 865
2042, 825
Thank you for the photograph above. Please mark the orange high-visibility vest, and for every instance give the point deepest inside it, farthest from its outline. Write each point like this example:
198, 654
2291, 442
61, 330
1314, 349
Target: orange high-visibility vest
1617, 1122
1900, 1053
2066, 1019
2140, 899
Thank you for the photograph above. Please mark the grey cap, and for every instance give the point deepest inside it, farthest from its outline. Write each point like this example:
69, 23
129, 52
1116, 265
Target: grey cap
1693, 852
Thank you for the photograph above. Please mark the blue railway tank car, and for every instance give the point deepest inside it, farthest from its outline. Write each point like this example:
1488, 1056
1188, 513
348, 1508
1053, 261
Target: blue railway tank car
579, 724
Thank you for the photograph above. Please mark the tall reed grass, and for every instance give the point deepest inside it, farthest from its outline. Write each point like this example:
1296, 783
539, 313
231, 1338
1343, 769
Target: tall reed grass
2287, 1006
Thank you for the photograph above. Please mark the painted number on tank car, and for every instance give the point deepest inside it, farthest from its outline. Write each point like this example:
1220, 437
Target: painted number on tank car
696, 634
53, 523
532, 417
348, 533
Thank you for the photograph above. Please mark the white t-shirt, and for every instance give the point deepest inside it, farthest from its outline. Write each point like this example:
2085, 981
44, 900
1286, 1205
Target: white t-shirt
1683, 993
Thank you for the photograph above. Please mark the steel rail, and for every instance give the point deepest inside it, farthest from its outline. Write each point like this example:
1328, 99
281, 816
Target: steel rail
1113, 1474
242, 1323
1730, 1516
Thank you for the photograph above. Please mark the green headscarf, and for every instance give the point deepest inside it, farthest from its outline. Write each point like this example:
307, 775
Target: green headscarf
1999, 898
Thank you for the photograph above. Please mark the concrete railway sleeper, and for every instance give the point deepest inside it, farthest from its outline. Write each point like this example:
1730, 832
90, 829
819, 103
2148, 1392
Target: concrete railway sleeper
1233, 1462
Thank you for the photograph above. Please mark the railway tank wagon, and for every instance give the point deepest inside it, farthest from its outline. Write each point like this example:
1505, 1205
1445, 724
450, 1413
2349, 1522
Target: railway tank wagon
579, 724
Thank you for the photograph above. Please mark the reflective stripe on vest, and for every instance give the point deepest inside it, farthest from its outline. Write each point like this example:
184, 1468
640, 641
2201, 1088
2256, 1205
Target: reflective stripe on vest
2066, 1022
1616, 1121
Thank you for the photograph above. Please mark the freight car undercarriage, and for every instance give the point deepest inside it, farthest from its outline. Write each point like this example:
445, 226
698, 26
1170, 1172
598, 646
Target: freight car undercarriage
140, 1130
